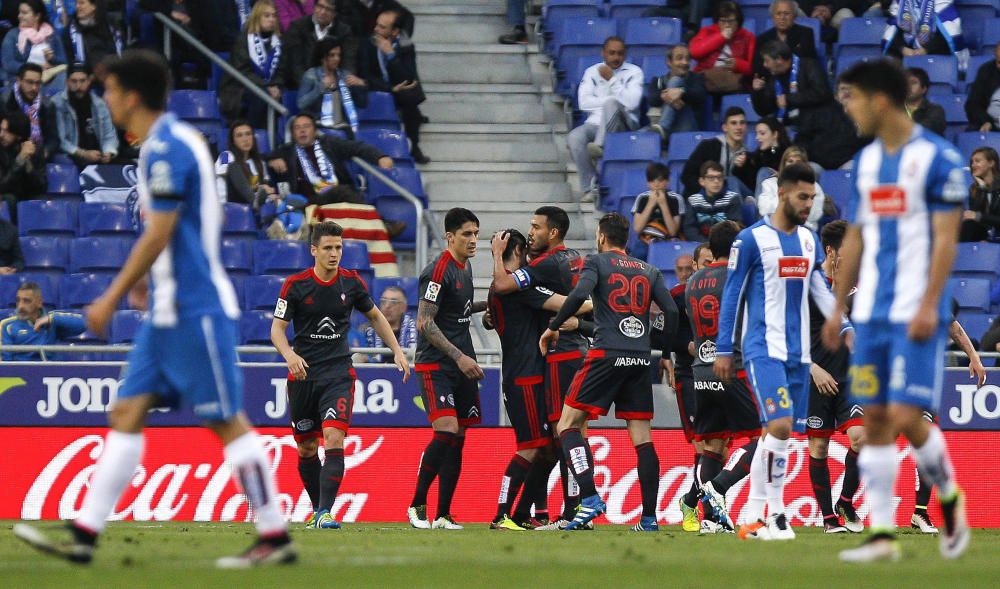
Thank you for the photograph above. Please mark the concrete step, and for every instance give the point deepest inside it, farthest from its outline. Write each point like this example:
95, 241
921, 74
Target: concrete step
452, 29
461, 9
473, 68
473, 131
491, 151
481, 47
447, 194
438, 173
469, 113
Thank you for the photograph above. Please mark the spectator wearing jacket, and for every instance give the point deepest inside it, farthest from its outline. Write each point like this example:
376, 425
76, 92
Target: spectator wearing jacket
794, 89
361, 15
724, 51
22, 167
330, 94
89, 37
799, 39
923, 111
831, 137
291, 10
11, 257
727, 150
680, 94
982, 107
258, 55
712, 204
933, 28
302, 35
33, 326
86, 132
26, 96
983, 216
33, 41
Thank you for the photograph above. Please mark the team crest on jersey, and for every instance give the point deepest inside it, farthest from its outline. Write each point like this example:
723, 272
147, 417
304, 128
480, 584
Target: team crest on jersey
631, 327
809, 246
433, 289
161, 178
770, 406
888, 200
793, 267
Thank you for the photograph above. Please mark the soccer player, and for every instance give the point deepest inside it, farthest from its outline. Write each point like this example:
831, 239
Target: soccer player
185, 352
519, 320
904, 215
830, 408
447, 365
554, 267
617, 368
773, 267
724, 411
318, 303
683, 381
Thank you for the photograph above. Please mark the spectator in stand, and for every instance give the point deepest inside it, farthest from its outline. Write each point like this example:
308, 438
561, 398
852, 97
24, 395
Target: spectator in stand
26, 96
361, 15
610, 93
393, 305
60, 13
680, 94
330, 94
702, 258
515, 18
241, 175
656, 213
11, 258
923, 111
727, 150
925, 27
34, 41
772, 141
982, 220
831, 13
724, 51
712, 204
314, 166
207, 22
389, 64
258, 56
794, 89
86, 132
90, 37
767, 200
292, 10
982, 107
304, 33
33, 326
832, 137
22, 167
799, 39
689, 12
991, 339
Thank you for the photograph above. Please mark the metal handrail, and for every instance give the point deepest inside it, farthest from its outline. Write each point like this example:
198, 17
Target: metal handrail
421, 247
126, 348
170, 27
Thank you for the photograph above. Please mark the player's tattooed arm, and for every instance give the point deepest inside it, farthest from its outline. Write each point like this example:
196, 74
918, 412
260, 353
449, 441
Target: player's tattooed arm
426, 327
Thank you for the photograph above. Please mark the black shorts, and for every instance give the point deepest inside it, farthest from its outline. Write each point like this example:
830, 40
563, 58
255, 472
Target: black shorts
524, 398
725, 410
317, 404
687, 403
831, 414
448, 392
560, 369
610, 377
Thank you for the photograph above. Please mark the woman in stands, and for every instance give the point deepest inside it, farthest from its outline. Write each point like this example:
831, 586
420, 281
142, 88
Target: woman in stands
983, 217
89, 37
767, 200
258, 56
724, 51
331, 95
772, 141
242, 175
34, 41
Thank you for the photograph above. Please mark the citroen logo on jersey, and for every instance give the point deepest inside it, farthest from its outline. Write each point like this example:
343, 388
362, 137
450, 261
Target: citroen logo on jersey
327, 324
331, 413
468, 307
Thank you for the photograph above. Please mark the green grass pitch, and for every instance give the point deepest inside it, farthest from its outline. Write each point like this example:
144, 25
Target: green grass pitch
136, 555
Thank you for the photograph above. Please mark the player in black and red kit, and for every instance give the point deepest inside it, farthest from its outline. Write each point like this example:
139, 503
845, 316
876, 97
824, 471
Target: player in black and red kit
447, 366
318, 303
617, 368
557, 268
683, 377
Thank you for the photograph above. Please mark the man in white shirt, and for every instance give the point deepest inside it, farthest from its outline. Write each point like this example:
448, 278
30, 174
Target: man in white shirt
609, 93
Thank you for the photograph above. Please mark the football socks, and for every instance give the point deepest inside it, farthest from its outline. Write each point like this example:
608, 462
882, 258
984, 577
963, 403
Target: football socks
819, 474
878, 472
580, 459
739, 469
451, 468
649, 478
309, 469
852, 479
935, 464
115, 468
253, 471
775, 459
513, 478
430, 465
331, 476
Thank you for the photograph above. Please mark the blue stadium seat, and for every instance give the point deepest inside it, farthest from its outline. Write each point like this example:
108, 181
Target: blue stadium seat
238, 220
974, 19
628, 9
971, 293
355, 255
195, 105
856, 54
391, 143
570, 72
743, 101
215, 76
239, 285
631, 182
408, 178
862, 31
378, 286
664, 254
411, 284
554, 12
255, 327
941, 69
63, 180
97, 254
967, 142
263, 144
281, 257
124, 325
237, 256
650, 36
991, 36
261, 292
837, 186
396, 208
79, 290
682, 144
47, 217
105, 218
578, 35
977, 259
380, 112
45, 254
654, 66
9, 283
761, 14
976, 324
975, 63
630, 146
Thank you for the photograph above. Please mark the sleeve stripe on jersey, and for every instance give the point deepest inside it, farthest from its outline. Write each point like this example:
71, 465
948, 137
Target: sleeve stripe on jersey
292, 280
354, 274
168, 196
439, 269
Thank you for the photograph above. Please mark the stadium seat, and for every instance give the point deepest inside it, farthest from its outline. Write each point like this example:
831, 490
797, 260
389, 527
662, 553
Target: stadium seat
380, 112
47, 217
860, 32
664, 254
255, 327
124, 325
858, 54
63, 180
629, 9
355, 255
579, 35
391, 143
396, 208
281, 257
650, 36
410, 285
263, 144
954, 111
45, 254
971, 293
837, 185
408, 178
991, 36
9, 283
378, 286
967, 142
79, 290
195, 105
631, 182
261, 292
630, 146
238, 281
97, 254
975, 63
654, 66
976, 324
742, 101
105, 218
571, 72
683, 144
556, 11
977, 259
237, 256
238, 220
974, 18
941, 69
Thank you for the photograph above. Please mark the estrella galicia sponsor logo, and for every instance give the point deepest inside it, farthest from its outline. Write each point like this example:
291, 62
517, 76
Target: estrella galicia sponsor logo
815, 422
706, 352
630, 361
304, 425
631, 327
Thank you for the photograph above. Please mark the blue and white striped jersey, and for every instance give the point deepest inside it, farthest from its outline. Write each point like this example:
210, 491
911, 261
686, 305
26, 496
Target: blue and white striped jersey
893, 199
176, 173
772, 272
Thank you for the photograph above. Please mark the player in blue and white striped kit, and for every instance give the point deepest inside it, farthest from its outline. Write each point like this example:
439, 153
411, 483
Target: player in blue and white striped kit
773, 266
185, 353
905, 211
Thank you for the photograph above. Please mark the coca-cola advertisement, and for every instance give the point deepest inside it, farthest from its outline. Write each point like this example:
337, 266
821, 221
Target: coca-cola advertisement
183, 476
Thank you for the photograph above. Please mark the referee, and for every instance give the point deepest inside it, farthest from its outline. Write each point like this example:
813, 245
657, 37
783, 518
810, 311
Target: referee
318, 302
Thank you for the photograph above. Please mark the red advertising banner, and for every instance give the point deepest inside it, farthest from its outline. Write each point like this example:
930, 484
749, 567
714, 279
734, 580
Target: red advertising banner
183, 476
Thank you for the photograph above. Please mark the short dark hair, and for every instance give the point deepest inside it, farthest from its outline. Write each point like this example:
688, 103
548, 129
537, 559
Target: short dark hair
28, 67
721, 237
325, 229
516, 239
728, 8
697, 251
78, 68
300, 115
733, 111
657, 171
324, 46
832, 234
920, 74
615, 228
709, 166
555, 217
776, 49
456, 217
144, 72
880, 76
30, 285
670, 50
38, 7
611, 39
18, 124
396, 288
795, 173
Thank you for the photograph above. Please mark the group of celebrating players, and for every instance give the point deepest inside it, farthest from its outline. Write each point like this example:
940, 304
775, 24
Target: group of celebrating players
577, 337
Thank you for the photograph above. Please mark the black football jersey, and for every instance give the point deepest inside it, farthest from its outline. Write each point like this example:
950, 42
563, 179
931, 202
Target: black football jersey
684, 336
447, 284
519, 321
703, 298
557, 270
320, 314
837, 363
